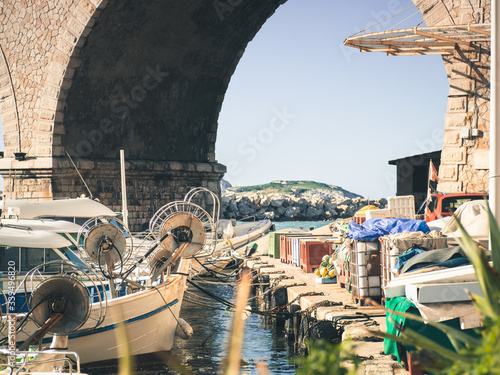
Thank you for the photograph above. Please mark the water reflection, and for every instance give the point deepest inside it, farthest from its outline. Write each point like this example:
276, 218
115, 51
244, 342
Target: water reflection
204, 352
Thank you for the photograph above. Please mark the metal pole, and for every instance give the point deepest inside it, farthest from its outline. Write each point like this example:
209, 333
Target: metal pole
124, 188
494, 112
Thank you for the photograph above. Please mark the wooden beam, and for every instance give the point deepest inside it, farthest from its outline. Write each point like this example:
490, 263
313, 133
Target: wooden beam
440, 37
479, 31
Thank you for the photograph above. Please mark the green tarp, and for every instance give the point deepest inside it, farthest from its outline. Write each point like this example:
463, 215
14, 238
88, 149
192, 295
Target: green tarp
394, 323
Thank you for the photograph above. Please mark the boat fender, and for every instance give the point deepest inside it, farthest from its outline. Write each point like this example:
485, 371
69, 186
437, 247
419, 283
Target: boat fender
246, 313
183, 330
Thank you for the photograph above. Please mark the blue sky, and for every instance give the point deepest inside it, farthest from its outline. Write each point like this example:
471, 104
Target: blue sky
301, 106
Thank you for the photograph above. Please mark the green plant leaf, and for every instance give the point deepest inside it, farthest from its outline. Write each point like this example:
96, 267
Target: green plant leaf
486, 277
452, 333
494, 238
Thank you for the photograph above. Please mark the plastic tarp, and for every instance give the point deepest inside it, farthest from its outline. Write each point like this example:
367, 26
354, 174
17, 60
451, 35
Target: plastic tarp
474, 218
372, 229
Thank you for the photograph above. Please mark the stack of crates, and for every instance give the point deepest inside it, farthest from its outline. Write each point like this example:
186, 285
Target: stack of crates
312, 252
286, 245
393, 246
365, 269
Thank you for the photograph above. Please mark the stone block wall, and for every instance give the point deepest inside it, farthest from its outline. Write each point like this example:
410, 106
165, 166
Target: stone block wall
150, 185
464, 159
40, 42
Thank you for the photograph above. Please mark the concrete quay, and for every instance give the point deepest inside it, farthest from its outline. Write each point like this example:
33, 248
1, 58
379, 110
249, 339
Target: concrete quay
312, 297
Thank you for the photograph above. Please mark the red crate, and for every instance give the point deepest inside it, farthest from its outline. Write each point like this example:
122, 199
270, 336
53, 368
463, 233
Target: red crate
283, 249
359, 219
288, 247
312, 253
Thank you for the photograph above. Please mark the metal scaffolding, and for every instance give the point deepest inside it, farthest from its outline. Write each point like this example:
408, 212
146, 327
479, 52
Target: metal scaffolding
422, 41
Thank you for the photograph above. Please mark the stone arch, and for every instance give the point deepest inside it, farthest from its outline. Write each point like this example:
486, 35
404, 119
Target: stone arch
8, 108
153, 76
73, 33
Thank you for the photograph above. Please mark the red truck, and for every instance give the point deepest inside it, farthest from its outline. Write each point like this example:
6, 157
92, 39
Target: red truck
445, 204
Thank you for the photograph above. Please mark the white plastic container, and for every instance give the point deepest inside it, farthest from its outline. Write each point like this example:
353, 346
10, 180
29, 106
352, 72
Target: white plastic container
365, 269
402, 207
378, 214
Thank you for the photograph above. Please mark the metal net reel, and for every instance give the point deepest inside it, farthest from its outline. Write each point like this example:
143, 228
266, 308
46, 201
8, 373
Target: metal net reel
184, 229
65, 301
107, 243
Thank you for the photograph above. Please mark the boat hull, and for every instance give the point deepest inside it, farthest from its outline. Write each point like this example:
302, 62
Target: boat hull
145, 321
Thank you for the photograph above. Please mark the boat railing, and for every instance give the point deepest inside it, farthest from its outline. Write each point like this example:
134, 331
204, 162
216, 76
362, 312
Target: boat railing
30, 359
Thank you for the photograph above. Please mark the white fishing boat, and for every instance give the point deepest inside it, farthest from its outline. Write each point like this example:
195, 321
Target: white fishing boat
146, 306
150, 318
77, 210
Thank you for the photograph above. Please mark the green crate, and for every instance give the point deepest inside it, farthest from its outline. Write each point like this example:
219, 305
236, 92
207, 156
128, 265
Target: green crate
274, 244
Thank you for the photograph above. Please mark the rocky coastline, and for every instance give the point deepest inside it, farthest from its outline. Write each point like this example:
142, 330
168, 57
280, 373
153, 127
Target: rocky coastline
292, 207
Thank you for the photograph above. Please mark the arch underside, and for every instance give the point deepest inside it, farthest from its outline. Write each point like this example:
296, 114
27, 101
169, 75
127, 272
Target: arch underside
153, 75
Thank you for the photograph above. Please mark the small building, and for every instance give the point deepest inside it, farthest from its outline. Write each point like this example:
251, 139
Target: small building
413, 175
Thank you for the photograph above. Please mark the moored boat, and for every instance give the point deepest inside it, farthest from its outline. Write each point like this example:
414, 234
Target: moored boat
148, 305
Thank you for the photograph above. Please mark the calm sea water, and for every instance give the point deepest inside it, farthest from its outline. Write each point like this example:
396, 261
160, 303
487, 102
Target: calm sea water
300, 224
205, 351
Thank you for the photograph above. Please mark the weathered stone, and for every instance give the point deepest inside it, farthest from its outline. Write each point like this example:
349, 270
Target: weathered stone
265, 202
383, 201
277, 202
233, 206
313, 213
245, 210
330, 206
261, 214
291, 212
271, 215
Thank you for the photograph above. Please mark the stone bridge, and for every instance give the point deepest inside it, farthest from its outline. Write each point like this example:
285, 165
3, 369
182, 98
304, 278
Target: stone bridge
86, 78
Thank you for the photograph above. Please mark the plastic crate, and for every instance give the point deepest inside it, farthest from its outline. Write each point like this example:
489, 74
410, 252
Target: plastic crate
295, 245
378, 214
359, 219
286, 246
283, 249
274, 244
393, 246
312, 252
365, 269
402, 207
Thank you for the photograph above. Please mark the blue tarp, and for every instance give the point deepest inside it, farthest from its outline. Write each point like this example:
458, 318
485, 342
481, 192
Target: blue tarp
372, 229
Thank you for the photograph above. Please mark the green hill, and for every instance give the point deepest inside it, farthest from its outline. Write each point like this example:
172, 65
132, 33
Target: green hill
293, 187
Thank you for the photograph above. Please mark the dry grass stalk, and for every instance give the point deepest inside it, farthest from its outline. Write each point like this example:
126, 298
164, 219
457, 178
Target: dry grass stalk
236, 341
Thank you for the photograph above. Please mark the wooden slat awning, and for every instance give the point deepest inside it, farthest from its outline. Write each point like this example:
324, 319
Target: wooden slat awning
422, 41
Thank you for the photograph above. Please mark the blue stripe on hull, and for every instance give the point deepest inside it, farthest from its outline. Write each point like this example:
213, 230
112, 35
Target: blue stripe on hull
128, 321
113, 326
